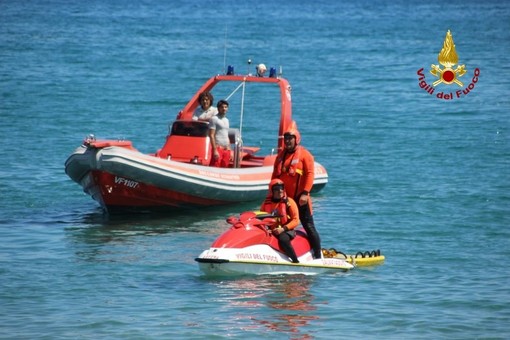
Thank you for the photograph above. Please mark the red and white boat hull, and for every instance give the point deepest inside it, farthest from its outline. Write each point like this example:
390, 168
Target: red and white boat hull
119, 178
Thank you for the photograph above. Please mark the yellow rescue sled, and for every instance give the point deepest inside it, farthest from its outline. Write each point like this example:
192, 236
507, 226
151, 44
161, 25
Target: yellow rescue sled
360, 259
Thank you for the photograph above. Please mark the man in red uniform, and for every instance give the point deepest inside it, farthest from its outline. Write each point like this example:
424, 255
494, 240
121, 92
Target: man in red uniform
294, 165
278, 204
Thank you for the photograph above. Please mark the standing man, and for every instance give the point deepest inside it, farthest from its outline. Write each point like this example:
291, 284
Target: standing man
294, 165
218, 133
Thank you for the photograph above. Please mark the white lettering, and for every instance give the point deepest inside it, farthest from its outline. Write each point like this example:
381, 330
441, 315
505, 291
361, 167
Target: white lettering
126, 182
216, 175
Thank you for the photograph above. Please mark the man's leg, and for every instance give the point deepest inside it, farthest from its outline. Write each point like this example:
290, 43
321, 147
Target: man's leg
313, 236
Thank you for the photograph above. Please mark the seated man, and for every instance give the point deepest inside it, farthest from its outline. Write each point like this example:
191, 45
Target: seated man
278, 204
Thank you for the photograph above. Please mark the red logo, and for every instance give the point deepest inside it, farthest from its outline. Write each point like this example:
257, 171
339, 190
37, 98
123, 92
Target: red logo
447, 74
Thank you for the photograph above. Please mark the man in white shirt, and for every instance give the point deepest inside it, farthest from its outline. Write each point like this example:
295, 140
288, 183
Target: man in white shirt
205, 111
218, 133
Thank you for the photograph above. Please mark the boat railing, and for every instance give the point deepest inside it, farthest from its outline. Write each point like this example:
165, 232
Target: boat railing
234, 136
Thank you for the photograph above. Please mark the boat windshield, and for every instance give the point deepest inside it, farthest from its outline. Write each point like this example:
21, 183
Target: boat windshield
190, 128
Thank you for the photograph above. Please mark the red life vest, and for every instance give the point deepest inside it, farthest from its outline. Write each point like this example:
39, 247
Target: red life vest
292, 168
277, 208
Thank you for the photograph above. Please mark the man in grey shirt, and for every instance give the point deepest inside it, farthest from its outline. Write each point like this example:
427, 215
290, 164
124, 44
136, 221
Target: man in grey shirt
218, 133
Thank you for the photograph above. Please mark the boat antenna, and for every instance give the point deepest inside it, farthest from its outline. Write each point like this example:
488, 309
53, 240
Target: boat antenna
225, 51
242, 111
280, 73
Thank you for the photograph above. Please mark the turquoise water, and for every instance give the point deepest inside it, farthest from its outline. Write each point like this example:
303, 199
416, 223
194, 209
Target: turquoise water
425, 180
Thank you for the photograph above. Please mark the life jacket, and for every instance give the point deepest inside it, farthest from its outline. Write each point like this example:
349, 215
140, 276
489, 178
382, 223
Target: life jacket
292, 168
277, 209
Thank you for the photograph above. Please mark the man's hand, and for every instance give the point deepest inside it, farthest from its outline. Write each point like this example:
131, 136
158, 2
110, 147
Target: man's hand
278, 231
303, 199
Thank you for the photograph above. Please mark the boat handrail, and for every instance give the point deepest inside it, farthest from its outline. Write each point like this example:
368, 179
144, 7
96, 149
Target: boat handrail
234, 136
241, 114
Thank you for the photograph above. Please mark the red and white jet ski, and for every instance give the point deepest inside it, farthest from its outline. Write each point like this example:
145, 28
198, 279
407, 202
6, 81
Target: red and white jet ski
249, 247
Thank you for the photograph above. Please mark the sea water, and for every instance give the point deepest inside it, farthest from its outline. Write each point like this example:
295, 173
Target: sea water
424, 178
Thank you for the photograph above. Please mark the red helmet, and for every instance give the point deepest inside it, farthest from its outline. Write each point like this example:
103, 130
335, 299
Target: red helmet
293, 131
276, 182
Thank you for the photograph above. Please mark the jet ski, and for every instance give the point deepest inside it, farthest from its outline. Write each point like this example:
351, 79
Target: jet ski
249, 247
